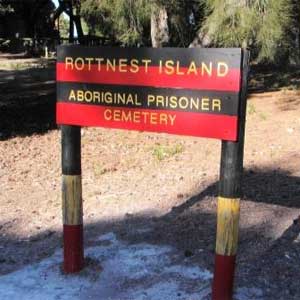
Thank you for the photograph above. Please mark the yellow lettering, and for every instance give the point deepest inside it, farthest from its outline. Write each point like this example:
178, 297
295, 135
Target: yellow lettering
80, 96
99, 61
145, 114
134, 66
192, 69
69, 62
150, 99
160, 66
72, 95
206, 69
88, 96
173, 102
108, 97
136, 100
160, 100
222, 69
195, 103
136, 117
117, 115
89, 61
216, 104
183, 102
172, 119
164, 119
123, 65
169, 67
146, 62
79, 63
130, 100
111, 65
126, 116
178, 72
97, 97
153, 118
205, 104
107, 115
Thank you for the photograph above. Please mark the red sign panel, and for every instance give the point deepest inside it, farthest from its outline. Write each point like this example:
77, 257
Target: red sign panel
180, 91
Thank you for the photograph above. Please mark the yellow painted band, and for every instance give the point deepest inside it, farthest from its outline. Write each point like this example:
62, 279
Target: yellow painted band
72, 199
227, 225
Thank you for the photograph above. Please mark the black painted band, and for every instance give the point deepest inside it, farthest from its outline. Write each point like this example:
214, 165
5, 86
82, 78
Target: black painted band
229, 100
71, 150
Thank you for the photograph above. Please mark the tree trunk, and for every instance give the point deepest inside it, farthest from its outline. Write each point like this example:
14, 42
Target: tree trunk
71, 28
159, 27
202, 39
77, 21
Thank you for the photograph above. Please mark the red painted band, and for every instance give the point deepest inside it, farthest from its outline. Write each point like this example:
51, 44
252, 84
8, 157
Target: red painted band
73, 248
185, 123
223, 277
153, 78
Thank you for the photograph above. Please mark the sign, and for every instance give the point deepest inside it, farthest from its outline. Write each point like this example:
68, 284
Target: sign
191, 91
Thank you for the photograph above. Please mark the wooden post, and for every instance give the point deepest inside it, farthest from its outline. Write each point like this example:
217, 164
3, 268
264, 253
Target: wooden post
229, 201
72, 199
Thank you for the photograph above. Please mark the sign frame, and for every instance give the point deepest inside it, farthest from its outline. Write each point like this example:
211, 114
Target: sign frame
231, 170
185, 91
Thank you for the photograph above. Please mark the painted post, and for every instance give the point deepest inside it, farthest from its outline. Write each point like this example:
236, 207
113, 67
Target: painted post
228, 212
72, 199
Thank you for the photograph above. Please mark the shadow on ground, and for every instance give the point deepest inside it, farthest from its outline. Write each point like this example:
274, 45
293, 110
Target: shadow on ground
267, 186
27, 103
264, 261
272, 78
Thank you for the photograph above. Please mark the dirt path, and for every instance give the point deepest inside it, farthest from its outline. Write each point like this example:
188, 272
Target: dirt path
135, 180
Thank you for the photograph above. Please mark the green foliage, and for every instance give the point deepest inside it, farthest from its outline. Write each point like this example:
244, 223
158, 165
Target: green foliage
126, 21
268, 27
263, 25
63, 26
4, 9
34, 14
184, 19
161, 152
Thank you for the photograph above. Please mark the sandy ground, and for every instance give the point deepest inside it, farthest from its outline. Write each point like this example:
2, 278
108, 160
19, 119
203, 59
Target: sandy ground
127, 272
165, 183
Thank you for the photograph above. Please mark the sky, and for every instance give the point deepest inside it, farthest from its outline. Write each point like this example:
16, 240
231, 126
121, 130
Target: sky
56, 5
55, 2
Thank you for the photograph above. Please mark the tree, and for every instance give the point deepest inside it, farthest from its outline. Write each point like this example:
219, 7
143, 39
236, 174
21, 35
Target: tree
4, 9
73, 9
270, 28
34, 13
129, 22
64, 25
159, 26
124, 21
265, 26
184, 19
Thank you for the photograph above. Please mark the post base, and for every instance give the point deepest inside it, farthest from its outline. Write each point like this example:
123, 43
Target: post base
223, 277
73, 248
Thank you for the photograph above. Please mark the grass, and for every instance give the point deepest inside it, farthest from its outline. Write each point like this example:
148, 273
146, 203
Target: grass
161, 152
263, 116
251, 109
